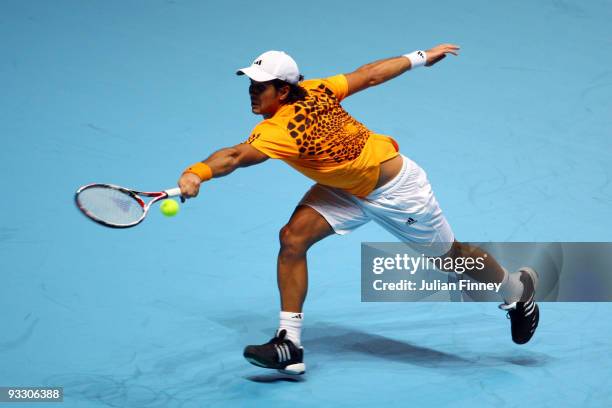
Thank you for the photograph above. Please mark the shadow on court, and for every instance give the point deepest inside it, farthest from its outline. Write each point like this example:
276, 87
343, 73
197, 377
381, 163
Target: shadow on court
272, 378
345, 343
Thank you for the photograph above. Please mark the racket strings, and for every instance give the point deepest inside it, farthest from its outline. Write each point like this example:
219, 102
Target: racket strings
110, 205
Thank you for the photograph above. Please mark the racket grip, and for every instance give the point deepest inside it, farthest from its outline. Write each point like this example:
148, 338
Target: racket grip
173, 192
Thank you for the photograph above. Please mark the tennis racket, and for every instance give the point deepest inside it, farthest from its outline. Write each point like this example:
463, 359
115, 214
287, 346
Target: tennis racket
115, 206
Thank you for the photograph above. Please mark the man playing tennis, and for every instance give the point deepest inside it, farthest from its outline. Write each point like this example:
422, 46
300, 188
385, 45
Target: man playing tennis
360, 176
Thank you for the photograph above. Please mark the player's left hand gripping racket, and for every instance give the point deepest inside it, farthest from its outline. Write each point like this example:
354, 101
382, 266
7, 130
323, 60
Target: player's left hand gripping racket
115, 206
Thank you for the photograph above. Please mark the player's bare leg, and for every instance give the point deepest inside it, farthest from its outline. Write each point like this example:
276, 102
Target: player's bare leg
305, 227
284, 351
492, 271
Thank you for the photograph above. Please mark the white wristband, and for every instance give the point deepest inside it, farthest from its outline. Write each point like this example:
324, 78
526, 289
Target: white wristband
417, 58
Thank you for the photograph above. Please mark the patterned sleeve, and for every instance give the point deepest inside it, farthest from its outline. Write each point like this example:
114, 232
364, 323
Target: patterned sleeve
338, 84
273, 141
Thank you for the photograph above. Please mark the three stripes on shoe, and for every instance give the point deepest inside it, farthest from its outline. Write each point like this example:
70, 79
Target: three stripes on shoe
529, 308
282, 350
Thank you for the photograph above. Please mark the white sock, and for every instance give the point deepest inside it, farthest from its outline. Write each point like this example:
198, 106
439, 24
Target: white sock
512, 288
292, 323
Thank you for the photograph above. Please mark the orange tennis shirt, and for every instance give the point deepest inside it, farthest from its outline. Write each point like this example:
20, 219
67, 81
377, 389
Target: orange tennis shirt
318, 138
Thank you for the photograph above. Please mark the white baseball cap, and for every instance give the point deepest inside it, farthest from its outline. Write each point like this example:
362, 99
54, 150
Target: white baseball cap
272, 65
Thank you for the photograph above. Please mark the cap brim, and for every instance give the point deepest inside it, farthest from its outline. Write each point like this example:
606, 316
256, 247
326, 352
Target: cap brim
256, 73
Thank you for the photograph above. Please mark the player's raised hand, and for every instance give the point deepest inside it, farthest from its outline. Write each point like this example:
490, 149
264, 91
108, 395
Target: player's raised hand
190, 185
439, 52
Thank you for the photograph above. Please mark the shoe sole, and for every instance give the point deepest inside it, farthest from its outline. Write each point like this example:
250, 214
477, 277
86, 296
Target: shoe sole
255, 362
536, 311
294, 369
291, 369
535, 278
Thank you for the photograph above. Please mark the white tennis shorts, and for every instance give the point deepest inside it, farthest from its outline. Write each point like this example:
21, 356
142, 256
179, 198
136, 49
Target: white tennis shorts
405, 206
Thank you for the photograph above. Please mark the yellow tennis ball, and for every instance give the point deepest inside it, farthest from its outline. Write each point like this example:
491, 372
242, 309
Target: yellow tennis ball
169, 208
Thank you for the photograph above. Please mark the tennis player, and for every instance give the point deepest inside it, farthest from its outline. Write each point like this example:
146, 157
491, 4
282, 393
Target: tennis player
360, 176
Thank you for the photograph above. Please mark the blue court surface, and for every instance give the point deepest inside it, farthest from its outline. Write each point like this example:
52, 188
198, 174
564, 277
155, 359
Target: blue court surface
515, 135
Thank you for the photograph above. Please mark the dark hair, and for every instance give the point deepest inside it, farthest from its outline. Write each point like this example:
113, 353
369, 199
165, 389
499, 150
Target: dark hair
296, 92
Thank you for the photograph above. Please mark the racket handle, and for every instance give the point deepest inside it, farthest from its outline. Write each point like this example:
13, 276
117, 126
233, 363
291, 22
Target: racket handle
173, 192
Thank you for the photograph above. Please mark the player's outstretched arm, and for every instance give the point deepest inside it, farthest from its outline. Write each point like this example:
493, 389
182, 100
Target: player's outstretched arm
377, 72
221, 163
